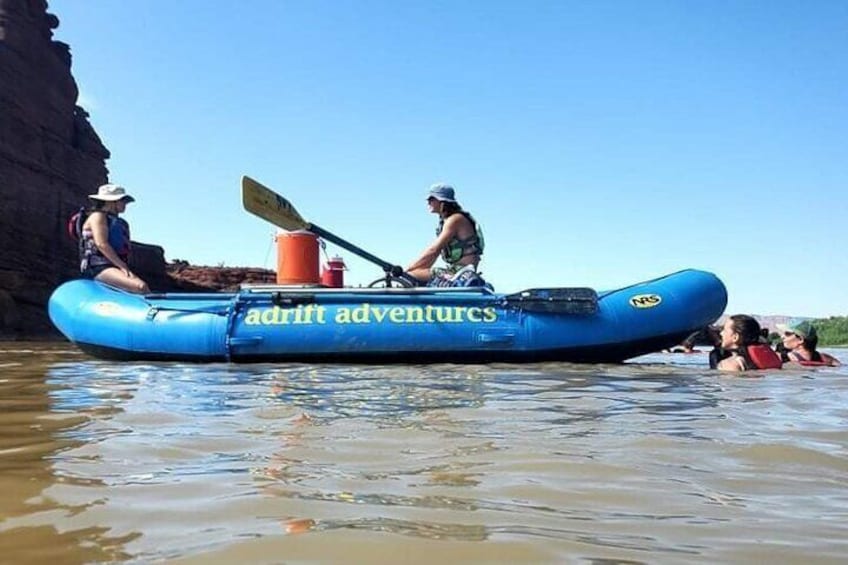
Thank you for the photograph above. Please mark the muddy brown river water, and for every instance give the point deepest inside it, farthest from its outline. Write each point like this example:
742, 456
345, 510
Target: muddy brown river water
658, 460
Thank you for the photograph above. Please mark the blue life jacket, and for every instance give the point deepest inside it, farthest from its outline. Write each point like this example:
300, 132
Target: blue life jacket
119, 239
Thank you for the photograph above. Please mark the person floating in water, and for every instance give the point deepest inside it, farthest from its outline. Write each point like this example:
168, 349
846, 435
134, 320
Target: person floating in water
459, 241
800, 340
741, 347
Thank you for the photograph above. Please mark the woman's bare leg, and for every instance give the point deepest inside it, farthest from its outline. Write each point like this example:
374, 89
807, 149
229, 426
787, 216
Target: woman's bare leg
114, 276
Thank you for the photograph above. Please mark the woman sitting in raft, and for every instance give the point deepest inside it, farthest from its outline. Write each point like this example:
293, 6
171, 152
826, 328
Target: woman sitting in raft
741, 348
458, 240
104, 244
800, 340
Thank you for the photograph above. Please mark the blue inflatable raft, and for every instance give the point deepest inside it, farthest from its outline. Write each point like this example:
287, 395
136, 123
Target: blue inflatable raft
406, 325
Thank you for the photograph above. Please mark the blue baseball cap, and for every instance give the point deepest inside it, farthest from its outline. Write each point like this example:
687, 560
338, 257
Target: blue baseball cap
442, 192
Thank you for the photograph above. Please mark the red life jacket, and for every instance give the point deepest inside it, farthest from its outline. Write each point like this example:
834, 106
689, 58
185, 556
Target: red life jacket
764, 357
813, 363
818, 360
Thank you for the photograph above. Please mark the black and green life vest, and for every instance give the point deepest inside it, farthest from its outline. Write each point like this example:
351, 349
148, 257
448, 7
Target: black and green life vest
458, 248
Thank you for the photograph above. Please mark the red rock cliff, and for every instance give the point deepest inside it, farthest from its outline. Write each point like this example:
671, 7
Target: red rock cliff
50, 160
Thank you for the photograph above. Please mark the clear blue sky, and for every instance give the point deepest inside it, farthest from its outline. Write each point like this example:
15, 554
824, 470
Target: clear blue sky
598, 143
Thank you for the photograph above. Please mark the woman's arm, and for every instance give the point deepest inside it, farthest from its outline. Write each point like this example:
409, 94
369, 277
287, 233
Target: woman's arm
431, 253
830, 359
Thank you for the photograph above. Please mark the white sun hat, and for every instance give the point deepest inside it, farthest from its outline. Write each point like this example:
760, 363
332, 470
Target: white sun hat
111, 193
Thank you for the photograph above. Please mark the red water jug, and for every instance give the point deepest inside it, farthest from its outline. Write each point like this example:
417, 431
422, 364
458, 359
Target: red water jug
333, 273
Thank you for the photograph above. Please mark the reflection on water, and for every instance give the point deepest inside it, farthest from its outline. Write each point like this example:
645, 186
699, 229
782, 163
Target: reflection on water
655, 460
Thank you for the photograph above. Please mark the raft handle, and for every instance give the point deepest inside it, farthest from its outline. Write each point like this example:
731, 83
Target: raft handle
243, 341
286, 300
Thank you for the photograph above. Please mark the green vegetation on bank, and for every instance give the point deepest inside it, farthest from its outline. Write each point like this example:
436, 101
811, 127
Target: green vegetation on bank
833, 331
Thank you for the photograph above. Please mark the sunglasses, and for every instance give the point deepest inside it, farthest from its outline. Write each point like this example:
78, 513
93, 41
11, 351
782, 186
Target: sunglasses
790, 334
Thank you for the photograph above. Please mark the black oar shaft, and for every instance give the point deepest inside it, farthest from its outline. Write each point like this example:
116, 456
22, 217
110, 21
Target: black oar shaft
321, 232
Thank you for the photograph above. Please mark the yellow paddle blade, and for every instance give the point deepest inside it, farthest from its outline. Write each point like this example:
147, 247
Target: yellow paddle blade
268, 205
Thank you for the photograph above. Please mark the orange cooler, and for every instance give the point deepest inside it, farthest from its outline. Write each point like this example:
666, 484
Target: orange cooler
297, 258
